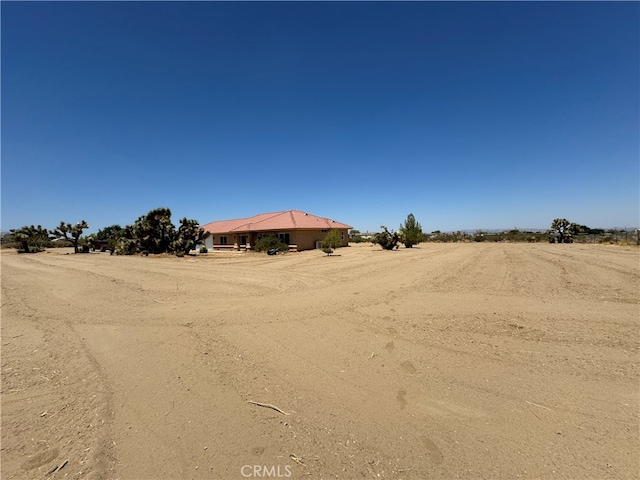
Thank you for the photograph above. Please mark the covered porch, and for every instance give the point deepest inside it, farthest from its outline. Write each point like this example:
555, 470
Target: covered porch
245, 241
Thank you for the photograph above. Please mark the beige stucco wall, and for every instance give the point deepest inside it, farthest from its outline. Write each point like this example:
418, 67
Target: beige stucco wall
304, 239
214, 239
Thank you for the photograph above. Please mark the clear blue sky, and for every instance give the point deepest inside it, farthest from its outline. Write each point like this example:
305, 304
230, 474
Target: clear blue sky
469, 115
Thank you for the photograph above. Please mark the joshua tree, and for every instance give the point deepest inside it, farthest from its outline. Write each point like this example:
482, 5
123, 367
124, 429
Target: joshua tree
71, 232
126, 244
154, 231
386, 239
30, 239
189, 235
565, 229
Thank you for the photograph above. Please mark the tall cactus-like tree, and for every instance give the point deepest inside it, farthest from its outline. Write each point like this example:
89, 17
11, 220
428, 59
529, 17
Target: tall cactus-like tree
126, 244
30, 239
411, 231
188, 236
71, 232
577, 229
561, 227
154, 231
386, 239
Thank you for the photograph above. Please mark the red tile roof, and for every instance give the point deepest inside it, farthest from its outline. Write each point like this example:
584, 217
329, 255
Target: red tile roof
287, 220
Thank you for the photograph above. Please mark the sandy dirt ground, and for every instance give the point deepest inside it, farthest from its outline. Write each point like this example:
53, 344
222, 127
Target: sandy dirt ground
442, 361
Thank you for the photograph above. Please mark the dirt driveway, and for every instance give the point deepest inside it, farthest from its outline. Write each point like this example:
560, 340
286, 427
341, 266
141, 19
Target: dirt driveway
442, 361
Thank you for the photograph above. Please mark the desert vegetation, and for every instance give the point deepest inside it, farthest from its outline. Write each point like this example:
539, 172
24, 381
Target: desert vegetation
29, 239
154, 233
411, 231
386, 239
331, 241
71, 233
560, 231
151, 233
268, 243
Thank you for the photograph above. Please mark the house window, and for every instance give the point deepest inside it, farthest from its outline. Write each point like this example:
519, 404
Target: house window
325, 231
284, 238
223, 240
342, 235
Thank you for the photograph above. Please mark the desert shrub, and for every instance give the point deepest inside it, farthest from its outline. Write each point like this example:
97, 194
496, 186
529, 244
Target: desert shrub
331, 241
126, 246
204, 250
386, 239
446, 237
270, 242
31, 249
480, 236
359, 240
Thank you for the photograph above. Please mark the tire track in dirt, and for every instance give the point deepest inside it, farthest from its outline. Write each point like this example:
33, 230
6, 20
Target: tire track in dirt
440, 361
577, 273
64, 417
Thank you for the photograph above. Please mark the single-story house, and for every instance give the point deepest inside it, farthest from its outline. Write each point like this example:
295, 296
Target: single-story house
299, 230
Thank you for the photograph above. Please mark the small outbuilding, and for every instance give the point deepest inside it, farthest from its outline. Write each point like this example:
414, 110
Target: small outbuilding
299, 230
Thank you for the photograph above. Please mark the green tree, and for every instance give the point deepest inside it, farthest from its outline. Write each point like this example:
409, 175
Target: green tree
188, 236
331, 241
30, 239
71, 233
112, 232
561, 227
387, 240
411, 231
111, 235
154, 232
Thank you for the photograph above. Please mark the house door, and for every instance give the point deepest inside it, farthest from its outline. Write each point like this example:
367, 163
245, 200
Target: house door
285, 238
243, 240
